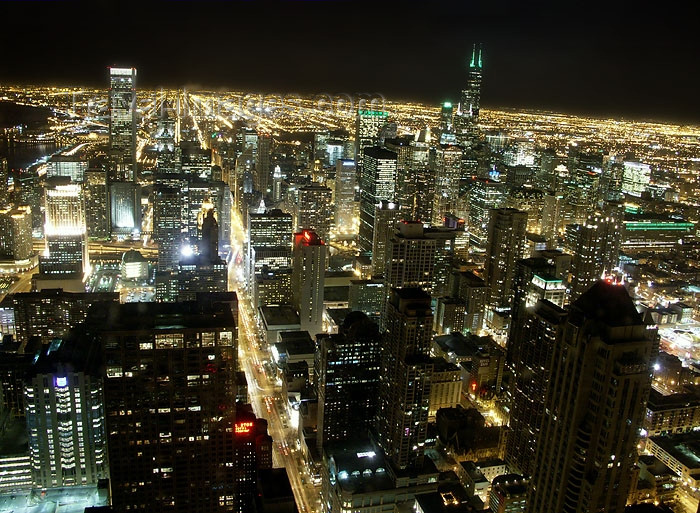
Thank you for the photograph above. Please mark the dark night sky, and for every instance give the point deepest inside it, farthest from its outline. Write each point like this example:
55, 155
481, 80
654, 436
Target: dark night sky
587, 58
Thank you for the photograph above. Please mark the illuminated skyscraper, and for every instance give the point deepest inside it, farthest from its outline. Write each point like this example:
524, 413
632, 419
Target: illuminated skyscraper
71, 166
470, 103
96, 204
484, 196
253, 452
167, 225
4, 177
16, 233
404, 388
595, 404
269, 243
419, 257
345, 206
125, 209
595, 246
448, 163
386, 215
65, 230
534, 332
206, 271
122, 122
635, 178
377, 183
315, 210
65, 415
506, 245
368, 125
446, 118
277, 184
308, 279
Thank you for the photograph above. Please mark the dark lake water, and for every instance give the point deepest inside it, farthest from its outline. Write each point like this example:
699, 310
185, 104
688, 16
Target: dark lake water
19, 156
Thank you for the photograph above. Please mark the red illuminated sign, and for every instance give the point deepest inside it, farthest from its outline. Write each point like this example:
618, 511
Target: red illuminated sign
243, 427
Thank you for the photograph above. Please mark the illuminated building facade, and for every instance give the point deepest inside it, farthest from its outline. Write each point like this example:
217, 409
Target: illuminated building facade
206, 271
406, 370
67, 165
419, 257
345, 185
308, 278
123, 122
386, 215
167, 225
51, 313
484, 196
506, 245
635, 177
97, 213
448, 172
169, 397
4, 178
595, 246
16, 233
134, 266
65, 415
534, 332
654, 232
65, 230
315, 210
470, 101
368, 125
377, 183
125, 209
269, 242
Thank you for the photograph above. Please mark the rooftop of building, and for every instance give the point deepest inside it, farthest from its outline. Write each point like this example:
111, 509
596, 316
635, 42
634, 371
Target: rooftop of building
490, 462
511, 484
132, 256
653, 465
360, 466
610, 304
281, 315
336, 294
378, 152
464, 346
293, 346
14, 440
473, 472
74, 353
410, 294
274, 484
450, 498
308, 238
471, 279
441, 365
660, 402
338, 315
162, 316
683, 447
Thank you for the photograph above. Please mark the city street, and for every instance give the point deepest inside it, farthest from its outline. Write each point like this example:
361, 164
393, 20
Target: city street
265, 393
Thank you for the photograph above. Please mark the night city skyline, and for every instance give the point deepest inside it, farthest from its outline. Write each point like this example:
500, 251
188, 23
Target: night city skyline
349, 257
605, 60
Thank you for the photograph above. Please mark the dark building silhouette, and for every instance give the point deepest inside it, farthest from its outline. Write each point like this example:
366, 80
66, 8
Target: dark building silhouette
347, 379
170, 402
599, 383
